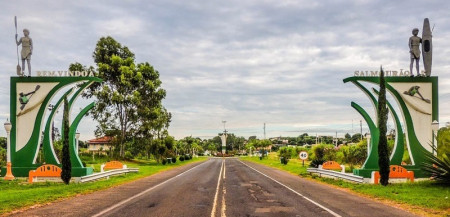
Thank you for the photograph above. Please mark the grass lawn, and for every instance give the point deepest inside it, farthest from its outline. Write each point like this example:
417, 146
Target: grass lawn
432, 199
19, 194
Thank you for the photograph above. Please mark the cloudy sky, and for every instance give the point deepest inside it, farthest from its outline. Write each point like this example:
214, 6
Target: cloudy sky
246, 62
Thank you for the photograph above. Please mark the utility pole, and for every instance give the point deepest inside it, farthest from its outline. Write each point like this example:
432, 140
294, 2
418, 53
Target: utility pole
317, 139
360, 125
264, 130
336, 139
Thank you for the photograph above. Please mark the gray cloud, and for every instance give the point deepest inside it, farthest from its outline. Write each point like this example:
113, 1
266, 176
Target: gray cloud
247, 62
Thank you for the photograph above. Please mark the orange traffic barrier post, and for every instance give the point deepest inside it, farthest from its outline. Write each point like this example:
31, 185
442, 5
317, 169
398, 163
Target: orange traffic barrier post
395, 171
113, 165
48, 170
9, 175
331, 165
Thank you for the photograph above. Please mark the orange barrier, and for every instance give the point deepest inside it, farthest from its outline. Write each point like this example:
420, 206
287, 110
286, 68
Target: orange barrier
48, 170
395, 172
331, 165
113, 165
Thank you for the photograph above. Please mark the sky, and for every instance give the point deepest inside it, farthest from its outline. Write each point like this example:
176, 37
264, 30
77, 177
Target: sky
246, 62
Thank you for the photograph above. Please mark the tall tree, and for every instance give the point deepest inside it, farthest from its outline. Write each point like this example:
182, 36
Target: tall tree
66, 165
129, 98
383, 152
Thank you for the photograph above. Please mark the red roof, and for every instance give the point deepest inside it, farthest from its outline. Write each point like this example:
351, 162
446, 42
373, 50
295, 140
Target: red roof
101, 140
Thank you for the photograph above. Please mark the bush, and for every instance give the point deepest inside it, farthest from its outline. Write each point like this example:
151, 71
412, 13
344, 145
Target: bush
355, 154
285, 155
2, 157
128, 155
164, 161
319, 152
316, 162
329, 153
437, 167
181, 158
174, 160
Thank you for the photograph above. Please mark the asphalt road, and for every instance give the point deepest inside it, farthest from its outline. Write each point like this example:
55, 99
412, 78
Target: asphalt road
219, 187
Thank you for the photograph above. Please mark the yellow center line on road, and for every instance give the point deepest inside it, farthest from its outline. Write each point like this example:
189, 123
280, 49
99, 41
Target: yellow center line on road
224, 191
224, 168
301, 195
213, 212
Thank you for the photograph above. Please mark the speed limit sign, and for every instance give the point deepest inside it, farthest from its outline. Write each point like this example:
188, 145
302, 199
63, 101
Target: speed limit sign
303, 155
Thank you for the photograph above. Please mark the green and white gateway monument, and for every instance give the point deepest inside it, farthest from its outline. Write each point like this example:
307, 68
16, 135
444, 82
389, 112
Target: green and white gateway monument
417, 100
30, 126
30, 98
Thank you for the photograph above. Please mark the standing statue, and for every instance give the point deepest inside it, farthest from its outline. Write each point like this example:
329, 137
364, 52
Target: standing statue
414, 43
27, 50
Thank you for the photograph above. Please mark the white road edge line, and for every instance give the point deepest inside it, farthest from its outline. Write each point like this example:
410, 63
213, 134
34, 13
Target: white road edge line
142, 193
213, 211
312, 201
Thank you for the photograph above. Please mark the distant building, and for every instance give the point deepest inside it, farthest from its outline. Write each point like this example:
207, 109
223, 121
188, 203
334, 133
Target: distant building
102, 144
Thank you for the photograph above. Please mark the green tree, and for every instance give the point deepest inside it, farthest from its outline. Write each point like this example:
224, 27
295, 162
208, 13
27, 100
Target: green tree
443, 141
383, 152
2, 156
66, 165
128, 101
250, 148
347, 137
356, 137
3, 142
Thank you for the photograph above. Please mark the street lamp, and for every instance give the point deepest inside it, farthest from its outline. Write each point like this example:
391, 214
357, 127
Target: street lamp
434, 128
77, 136
9, 175
368, 136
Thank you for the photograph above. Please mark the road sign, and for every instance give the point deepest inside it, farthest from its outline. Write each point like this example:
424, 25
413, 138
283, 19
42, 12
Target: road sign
303, 155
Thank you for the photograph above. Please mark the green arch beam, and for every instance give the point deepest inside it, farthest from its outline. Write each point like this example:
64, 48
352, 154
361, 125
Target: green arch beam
49, 154
74, 158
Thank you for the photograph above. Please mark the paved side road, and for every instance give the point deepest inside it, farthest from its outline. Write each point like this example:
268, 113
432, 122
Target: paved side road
219, 187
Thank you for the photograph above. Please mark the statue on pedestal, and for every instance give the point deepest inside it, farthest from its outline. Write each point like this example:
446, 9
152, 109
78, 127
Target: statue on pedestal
414, 43
27, 50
